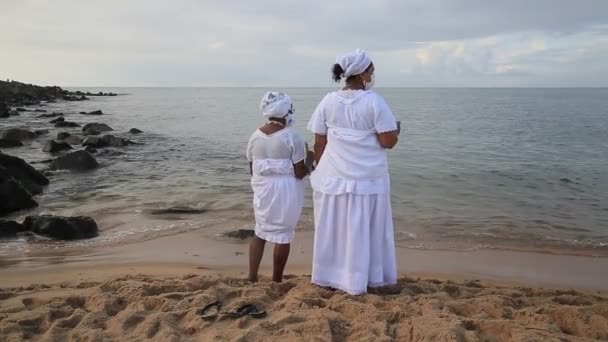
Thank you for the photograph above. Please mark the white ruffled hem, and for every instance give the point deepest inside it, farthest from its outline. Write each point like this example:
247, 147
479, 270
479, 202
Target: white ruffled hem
351, 292
278, 237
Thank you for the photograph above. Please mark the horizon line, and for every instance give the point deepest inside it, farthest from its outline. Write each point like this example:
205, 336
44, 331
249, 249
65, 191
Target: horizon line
326, 87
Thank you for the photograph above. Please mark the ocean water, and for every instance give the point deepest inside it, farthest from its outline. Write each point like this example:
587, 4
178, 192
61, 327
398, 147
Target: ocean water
475, 168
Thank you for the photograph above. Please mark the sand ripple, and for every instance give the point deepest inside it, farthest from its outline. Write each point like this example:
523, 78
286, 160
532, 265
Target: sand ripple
138, 307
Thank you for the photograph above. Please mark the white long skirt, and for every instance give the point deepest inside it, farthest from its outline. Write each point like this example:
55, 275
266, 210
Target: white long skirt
354, 245
277, 205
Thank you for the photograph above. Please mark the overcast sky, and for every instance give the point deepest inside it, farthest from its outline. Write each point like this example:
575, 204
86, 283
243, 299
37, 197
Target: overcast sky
414, 43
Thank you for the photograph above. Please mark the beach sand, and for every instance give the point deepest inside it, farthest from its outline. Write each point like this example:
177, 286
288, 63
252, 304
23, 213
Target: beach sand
154, 290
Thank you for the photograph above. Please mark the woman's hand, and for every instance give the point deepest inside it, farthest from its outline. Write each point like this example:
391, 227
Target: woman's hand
310, 159
299, 170
388, 139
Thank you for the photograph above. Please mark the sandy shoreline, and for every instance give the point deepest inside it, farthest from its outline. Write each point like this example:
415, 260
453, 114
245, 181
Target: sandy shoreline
196, 248
152, 290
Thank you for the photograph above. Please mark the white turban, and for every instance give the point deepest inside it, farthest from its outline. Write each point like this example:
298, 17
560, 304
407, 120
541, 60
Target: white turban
275, 105
354, 62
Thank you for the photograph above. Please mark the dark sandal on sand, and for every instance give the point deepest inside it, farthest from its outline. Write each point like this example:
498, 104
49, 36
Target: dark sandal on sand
251, 310
208, 314
244, 310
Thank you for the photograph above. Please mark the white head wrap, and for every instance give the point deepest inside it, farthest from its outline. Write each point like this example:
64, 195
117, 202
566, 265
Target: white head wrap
275, 105
354, 62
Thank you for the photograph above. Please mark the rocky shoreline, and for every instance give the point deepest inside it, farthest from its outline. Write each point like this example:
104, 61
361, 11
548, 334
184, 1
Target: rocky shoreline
70, 150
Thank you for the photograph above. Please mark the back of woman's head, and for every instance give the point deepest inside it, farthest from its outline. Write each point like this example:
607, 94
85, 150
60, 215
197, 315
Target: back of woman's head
337, 72
350, 65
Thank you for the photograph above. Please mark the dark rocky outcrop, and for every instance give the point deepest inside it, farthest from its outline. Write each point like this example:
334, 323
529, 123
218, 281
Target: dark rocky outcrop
91, 131
41, 132
105, 141
74, 98
17, 134
90, 149
62, 135
39, 110
66, 124
94, 141
100, 127
60, 227
76, 161
115, 141
101, 93
135, 131
30, 178
53, 146
95, 112
240, 234
10, 228
73, 140
52, 115
9, 143
59, 119
21, 110
14, 196
20, 94
4, 110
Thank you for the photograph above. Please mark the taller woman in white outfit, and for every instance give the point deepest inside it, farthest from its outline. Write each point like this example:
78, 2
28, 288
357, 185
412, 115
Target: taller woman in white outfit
353, 244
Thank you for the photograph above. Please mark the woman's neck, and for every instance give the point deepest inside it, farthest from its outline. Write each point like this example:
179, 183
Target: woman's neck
277, 121
354, 86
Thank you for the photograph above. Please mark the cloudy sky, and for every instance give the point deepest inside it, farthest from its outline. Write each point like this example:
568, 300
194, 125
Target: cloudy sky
414, 43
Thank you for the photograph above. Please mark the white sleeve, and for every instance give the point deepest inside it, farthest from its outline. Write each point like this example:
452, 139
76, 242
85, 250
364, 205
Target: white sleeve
317, 122
249, 152
298, 152
384, 119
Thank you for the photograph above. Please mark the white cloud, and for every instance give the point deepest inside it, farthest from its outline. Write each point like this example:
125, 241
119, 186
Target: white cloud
414, 43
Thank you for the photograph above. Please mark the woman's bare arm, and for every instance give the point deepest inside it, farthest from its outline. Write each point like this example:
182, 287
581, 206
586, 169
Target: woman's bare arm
320, 143
390, 139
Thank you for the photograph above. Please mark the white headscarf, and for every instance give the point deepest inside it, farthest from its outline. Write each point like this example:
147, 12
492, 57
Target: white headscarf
354, 62
275, 104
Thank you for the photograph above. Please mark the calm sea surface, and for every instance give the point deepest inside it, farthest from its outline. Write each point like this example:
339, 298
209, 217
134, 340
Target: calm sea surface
474, 168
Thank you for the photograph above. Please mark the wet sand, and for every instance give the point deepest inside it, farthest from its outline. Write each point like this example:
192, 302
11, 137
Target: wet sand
155, 290
195, 248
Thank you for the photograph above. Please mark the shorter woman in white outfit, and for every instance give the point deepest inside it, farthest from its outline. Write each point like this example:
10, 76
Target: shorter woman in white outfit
276, 156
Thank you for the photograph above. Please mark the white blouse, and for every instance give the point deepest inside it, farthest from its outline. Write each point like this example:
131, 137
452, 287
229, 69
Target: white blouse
353, 160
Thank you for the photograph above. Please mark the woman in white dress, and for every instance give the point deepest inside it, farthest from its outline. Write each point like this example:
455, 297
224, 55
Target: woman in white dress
353, 244
276, 156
